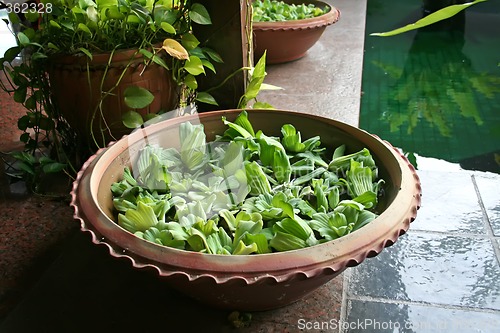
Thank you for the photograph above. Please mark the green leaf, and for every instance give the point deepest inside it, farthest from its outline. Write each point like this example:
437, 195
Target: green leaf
193, 145
194, 66
139, 219
242, 120
168, 28
156, 59
27, 168
14, 18
114, 13
286, 242
268, 146
189, 41
239, 129
199, 14
295, 227
432, 18
137, 97
86, 52
54, 24
213, 55
11, 54
291, 139
281, 166
263, 105
257, 180
53, 167
132, 119
23, 122
208, 65
84, 28
20, 94
260, 240
23, 39
191, 82
206, 98
242, 249
32, 15
266, 86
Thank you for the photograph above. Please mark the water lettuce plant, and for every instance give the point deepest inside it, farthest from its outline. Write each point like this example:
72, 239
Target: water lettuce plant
246, 192
278, 11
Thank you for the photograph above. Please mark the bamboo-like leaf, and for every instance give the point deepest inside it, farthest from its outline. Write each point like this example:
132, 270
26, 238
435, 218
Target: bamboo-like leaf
432, 18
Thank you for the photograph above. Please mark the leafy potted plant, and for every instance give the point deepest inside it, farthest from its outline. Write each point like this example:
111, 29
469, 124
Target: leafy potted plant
287, 29
89, 66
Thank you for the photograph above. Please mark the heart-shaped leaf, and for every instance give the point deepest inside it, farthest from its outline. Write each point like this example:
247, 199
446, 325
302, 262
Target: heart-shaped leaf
132, 119
137, 97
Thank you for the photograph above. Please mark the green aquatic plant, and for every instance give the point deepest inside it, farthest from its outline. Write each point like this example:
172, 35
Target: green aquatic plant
246, 192
279, 11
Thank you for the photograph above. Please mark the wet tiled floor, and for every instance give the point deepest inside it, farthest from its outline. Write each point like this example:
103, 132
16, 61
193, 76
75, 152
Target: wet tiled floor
442, 276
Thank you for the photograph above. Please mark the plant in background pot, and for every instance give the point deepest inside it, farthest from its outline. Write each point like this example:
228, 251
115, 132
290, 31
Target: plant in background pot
287, 29
90, 66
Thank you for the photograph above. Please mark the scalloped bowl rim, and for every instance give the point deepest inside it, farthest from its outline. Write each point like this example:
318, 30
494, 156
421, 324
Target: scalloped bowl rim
328, 18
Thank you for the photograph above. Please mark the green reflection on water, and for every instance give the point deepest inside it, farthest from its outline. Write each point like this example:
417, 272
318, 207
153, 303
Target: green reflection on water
435, 92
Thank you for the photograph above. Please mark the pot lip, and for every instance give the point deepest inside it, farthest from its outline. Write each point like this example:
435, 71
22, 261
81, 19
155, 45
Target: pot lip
329, 18
119, 55
329, 257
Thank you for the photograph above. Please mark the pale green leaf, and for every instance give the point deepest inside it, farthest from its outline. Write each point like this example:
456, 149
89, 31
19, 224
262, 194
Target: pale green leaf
194, 66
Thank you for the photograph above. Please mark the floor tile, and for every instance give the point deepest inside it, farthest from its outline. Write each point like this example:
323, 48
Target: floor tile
489, 190
368, 316
461, 213
432, 268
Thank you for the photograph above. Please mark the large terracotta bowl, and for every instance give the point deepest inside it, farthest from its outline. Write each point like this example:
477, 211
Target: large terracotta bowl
247, 282
290, 40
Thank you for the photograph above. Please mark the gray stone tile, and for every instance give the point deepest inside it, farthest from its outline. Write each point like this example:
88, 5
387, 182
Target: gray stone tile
449, 203
432, 268
389, 317
489, 190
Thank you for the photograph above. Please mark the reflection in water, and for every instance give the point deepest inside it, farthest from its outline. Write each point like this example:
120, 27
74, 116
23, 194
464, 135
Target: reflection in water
431, 98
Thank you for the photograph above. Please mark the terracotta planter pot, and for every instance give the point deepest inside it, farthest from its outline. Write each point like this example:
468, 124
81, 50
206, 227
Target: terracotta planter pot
78, 91
290, 40
247, 282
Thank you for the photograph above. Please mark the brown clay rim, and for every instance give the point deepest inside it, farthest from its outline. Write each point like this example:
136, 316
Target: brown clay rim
329, 18
120, 58
327, 258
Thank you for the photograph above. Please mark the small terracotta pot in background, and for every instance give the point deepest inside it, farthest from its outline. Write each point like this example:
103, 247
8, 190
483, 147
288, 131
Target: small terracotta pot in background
289, 40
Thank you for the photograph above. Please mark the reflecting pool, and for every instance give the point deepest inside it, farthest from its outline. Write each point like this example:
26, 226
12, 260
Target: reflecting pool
435, 92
